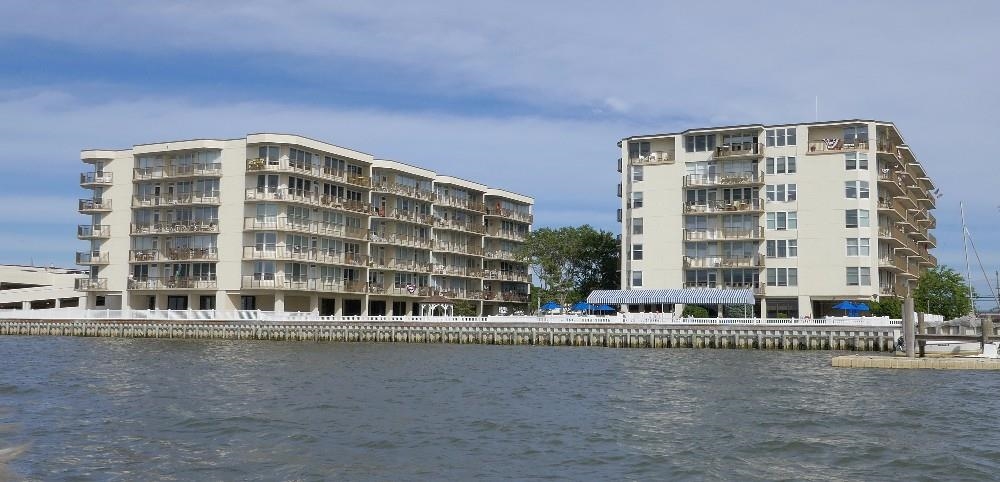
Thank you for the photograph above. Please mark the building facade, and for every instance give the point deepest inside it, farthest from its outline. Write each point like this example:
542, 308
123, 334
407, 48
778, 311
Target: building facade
805, 214
286, 223
35, 288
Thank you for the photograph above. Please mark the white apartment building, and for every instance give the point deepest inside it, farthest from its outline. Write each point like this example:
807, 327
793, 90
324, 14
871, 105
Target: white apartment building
805, 214
286, 223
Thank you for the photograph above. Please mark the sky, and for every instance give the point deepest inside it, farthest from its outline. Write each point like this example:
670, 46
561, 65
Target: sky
527, 96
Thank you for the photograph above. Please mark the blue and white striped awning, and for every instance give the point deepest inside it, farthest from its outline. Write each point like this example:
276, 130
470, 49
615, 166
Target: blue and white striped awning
695, 296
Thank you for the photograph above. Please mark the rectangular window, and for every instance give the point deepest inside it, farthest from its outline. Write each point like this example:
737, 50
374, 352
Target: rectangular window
859, 276
636, 225
856, 218
636, 199
856, 189
637, 278
856, 161
636, 173
782, 276
636, 251
853, 135
858, 246
781, 192
780, 165
782, 248
780, 137
782, 220
699, 143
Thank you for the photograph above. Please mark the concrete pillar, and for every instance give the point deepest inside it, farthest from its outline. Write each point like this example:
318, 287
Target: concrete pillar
763, 308
908, 338
58, 303
338, 306
921, 328
718, 310
279, 301
25, 305
314, 303
805, 307
678, 310
364, 306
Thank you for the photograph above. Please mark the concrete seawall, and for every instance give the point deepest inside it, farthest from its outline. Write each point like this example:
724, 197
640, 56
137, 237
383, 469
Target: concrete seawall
750, 336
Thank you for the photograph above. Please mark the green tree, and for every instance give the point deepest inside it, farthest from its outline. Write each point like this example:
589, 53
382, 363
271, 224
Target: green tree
570, 262
943, 291
465, 308
695, 311
887, 306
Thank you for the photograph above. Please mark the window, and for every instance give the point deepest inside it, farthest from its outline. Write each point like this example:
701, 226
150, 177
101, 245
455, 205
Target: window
781, 192
638, 149
856, 161
782, 276
858, 247
782, 248
636, 225
781, 137
637, 278
856, 189
855, 134
637, 251
636, 173
780, 165
782, 220
699, 143
859, 276
856, 218
636, 199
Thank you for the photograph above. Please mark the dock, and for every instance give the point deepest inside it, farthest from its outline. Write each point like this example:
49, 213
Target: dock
943, 363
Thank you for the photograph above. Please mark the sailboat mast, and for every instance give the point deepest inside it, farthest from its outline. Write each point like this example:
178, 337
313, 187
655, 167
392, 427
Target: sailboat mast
965, 247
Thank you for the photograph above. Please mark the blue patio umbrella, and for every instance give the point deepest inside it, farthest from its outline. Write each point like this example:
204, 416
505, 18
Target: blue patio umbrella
552, 305
847, 306
581, 306
861, 307
604, 308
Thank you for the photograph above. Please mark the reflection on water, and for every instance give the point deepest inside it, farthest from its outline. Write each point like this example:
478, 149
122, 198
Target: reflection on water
98, 408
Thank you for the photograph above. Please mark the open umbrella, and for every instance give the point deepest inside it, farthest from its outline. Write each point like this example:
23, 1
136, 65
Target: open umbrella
581, 306
604, 308
552, 305
861, 307
845, 305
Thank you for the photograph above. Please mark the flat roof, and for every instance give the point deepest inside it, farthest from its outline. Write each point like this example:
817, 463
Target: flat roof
758, 126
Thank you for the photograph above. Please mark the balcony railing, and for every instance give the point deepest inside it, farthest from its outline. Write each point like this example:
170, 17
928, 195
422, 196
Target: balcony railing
177, 227
461, 203
459, 226
304, 226
96, 178
725, 179
758, 288
507, 234
92, 257
295, 253
93, 231
213, 169
724, 234
339, 175
511, 214
463, 271
402, 240
400, 265
502, 275
931, 240
210, 197
94, 205
405, 215
653, 158
836, 144
739, 150
173, 283
403, 190
501, 254
90, 284
723, 261
307, 197
271, 281
461, 248
746, 205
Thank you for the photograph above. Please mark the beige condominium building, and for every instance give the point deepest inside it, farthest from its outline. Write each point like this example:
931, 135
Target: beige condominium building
286, 223
806, 215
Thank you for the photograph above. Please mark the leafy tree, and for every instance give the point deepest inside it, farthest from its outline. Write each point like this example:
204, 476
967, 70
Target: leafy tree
695, 311
465, 308
887, 306
943, 291
571, 262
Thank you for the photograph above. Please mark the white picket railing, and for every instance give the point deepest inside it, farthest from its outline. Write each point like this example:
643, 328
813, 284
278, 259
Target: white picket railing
80, 314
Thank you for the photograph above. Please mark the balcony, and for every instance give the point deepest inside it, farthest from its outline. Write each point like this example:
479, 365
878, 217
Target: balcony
728, 179
173, 283
177, 171
500, 296
835, 144
459, 248
93, 231
296, 253
931, 240
255, 165
469, 227
183, 199
523, 217
502, 255
399, 290
723, 261
892, 181
304, 226
395, 264
389, 187
173, 254
891, 208
507, 234
90, 258
405, 215
462, 271
886, 290
92, 179
402, 240
897, 264
724, 207
757, 288
501, 275
88, 206
90, 284
652, 159
176, 227
740, 150
309, 198
724, 234
269, 281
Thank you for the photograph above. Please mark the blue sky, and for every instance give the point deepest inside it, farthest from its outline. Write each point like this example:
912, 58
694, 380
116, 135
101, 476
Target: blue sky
528, 96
